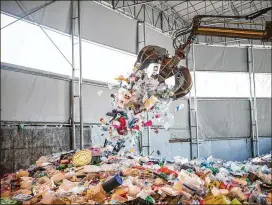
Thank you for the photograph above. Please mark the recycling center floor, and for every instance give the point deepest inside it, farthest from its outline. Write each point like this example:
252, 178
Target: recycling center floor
79, 177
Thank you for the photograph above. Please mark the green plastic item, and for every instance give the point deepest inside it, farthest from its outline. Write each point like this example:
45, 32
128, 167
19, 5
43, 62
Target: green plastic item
8, 201
214, 170
164, 176
235, 201
190, 170
248, 182
62, 166
21, 127
150, 199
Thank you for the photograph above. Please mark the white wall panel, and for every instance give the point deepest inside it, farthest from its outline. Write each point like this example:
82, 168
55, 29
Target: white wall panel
55, 15
264, 117
262, 60
222, 84
213, 58
98, 24
158, 39
223, 118
181, 118
94, 106
160, 142
101, 25
263, 85
26, 97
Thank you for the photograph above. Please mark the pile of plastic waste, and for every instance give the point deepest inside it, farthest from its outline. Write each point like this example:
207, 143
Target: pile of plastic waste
93, 177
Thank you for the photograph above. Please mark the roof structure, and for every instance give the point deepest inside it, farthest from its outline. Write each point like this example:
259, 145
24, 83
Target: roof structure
164, 16
174, 15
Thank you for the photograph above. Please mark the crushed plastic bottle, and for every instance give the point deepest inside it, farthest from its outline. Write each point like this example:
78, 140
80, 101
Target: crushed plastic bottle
100, 92
166, 126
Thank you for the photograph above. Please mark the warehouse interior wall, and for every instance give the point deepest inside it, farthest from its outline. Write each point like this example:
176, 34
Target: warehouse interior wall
36, 109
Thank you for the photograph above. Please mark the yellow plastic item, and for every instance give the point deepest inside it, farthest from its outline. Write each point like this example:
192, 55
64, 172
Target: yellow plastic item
122, 78
82, 158
150, 102
220, 199
235, 201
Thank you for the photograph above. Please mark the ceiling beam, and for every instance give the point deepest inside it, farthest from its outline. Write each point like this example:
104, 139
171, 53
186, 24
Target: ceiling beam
134, 4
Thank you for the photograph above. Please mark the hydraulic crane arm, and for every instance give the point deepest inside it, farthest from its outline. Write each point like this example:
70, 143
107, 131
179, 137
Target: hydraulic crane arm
235, 33
170, 65
195, 29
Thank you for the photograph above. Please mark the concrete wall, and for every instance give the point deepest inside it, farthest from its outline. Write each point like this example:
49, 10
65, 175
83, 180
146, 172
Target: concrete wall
22, 147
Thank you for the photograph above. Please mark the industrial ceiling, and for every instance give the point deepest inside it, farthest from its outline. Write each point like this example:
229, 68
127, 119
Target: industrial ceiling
164, 16
177, 14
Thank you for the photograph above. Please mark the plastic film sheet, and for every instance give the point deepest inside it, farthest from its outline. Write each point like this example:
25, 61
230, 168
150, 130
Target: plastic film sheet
214, 58
263, 85
33, 98
262, 60
96, 21
264, 117
222, 119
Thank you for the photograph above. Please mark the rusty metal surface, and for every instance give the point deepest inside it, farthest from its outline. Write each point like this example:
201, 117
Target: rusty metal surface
231, 32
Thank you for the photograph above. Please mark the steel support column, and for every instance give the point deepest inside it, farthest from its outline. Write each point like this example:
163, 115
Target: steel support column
193, 119
141, 38
253, 103
73, 137
76, 44
80, 79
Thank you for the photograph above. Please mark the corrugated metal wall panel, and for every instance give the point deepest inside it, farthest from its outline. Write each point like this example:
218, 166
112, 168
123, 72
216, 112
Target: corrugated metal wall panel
221, 119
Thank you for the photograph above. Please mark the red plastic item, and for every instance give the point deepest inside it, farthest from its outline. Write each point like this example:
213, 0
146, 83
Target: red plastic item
64, 161
148, 123
157, 116
156, 130
167, 171
138, 167
222, 186
201, 202
122, 129
122, 122
136, 127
